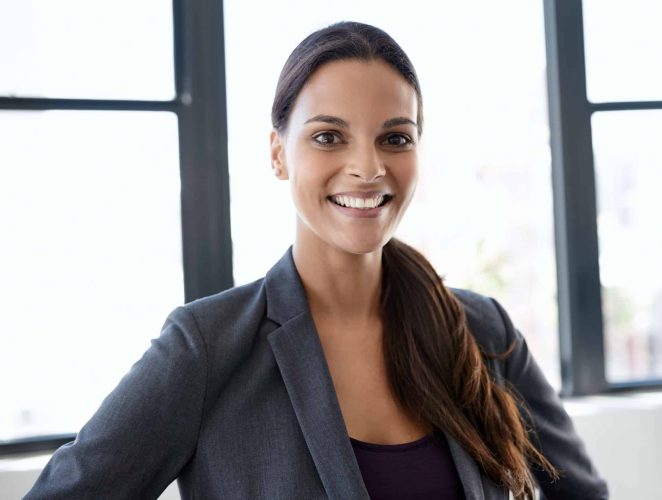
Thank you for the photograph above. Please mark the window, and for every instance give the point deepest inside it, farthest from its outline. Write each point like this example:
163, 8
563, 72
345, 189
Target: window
621, 65
108, 189
79, 49
603, 156
91, 257
622, 42
628, 180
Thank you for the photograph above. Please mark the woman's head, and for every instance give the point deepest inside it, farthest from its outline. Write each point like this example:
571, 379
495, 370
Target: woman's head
340, 41
347, 120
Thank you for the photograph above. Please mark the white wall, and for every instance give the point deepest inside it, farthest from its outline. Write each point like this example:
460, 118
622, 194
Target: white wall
17, 475
623, 435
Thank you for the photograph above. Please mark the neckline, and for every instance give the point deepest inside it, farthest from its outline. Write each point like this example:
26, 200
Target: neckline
391, 447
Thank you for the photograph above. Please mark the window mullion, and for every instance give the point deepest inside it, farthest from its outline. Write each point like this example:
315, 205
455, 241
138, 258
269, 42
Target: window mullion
573, 177
200, 84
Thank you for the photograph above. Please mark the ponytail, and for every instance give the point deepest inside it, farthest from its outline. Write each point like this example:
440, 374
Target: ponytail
439, 374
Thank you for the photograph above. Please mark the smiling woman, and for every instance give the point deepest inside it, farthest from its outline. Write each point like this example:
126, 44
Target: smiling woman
350, 370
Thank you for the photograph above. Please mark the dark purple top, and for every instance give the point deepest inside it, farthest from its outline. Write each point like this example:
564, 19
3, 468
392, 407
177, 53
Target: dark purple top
419, 470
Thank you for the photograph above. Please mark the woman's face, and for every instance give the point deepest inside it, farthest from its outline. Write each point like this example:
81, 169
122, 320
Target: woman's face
350, 153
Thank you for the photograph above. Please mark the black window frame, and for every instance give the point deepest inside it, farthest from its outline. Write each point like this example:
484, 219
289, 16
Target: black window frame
200, 106
201, 109
581, 327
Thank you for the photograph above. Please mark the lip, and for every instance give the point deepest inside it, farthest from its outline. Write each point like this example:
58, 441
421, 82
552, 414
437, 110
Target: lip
361, 213
362, 194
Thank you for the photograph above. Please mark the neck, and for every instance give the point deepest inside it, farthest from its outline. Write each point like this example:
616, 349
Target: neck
341, 287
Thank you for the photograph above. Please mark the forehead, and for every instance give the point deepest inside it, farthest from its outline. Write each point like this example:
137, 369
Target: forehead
356, 90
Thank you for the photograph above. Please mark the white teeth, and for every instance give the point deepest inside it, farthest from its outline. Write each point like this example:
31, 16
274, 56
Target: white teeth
361, 203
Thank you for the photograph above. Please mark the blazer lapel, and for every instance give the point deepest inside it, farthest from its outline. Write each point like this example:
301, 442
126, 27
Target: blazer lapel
300, 357
467, 470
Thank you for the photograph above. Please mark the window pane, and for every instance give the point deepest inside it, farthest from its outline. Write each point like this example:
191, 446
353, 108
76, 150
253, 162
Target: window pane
90, 258
483, 210
82, 49
628, 176
622, 42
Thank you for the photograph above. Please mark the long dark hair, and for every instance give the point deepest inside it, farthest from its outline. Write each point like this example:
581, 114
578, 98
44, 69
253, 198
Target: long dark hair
437, 371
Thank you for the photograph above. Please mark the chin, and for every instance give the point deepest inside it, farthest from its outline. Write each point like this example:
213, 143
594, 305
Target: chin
362, 245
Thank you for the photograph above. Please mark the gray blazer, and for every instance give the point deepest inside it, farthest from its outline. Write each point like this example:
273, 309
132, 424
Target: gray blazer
235, 400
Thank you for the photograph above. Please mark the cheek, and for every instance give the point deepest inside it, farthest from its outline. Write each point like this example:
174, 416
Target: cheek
406, 174
310, 174
311, 169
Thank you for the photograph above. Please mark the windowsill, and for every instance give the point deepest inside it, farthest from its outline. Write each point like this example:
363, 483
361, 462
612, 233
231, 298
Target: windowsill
26, 462
627, 401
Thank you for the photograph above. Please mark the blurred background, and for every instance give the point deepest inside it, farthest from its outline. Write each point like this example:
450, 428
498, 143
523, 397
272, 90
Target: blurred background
135, 176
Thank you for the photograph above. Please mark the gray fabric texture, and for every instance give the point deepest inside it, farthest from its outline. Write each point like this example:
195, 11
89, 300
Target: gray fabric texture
234, 399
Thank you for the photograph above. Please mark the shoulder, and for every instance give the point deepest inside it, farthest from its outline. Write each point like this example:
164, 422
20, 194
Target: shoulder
222, 319
225, 326
241, 306
231, 301
488, 321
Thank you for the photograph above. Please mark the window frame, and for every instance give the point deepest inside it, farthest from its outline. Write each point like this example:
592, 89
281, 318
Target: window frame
581, 327
200, 107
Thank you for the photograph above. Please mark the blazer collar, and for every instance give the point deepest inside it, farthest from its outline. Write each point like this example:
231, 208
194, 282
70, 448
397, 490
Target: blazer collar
286, 297
300, 357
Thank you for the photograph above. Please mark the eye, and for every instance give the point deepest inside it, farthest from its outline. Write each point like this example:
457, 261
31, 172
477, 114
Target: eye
398, 140
326, 139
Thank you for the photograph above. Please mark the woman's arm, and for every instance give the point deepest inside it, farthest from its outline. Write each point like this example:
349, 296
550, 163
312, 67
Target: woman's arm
555, 436
145, 431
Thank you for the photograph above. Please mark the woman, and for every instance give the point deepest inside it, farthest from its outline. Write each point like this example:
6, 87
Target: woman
349, 371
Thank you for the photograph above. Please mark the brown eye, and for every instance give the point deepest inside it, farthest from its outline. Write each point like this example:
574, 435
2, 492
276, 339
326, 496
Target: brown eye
326, 139
398, 140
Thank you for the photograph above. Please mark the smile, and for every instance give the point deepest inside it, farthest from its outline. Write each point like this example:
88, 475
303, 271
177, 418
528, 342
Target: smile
360, 207
360, 203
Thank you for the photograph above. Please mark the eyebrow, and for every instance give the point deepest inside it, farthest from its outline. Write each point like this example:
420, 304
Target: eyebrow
401, 120
334, 120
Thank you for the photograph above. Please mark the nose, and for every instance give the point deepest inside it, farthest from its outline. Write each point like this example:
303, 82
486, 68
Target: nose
366, 163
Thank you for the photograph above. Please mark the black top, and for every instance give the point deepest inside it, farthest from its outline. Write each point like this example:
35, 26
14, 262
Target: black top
419, 470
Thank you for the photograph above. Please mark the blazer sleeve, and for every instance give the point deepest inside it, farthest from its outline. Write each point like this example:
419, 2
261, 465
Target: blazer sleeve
145, 430
555, 434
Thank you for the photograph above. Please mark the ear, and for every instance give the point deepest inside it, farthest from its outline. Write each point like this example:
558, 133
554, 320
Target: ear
278, 163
